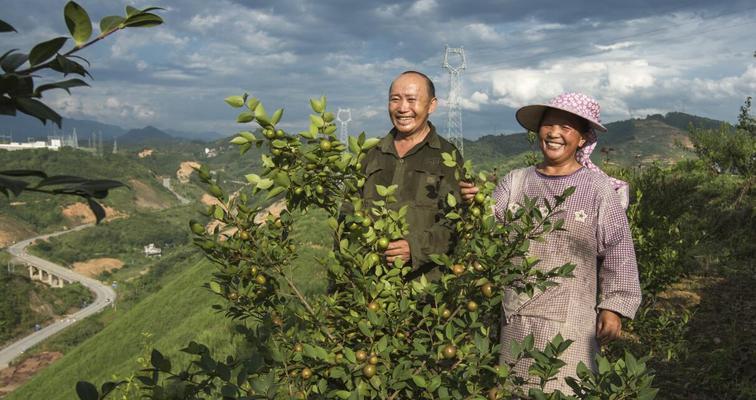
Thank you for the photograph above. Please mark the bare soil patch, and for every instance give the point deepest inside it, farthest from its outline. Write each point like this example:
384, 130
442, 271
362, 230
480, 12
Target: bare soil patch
11, 231
96, 266
145, 196
16, 375
80, 214
145, 153
185, 170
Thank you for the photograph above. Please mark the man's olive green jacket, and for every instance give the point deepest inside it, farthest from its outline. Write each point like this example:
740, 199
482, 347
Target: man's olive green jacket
423, 183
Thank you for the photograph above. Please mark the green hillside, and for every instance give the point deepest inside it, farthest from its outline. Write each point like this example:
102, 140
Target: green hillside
25, 303
627, 143
43, 213
178, 313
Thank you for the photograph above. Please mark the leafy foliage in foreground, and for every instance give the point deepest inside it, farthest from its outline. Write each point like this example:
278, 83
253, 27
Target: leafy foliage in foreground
17, 87
18, 93
91, 190
375, 334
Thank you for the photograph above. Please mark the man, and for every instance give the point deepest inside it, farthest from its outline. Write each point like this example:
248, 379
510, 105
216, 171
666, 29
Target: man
410, 157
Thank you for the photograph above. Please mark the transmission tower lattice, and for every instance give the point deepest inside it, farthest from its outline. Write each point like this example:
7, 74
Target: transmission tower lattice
454, 119
344, 121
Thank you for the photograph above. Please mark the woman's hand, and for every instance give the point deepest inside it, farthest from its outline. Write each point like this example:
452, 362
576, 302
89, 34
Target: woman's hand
468, 190
608, 326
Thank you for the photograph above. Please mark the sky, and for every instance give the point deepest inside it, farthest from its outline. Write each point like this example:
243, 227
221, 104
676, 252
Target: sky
635, 57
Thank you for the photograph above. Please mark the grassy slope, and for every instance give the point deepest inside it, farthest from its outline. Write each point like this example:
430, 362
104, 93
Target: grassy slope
25, 303
42, 212
178, 313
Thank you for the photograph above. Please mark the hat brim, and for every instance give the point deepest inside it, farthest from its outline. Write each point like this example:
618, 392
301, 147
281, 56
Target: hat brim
529, 117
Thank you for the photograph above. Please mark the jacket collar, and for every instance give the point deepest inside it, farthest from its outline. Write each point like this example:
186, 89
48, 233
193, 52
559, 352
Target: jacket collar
432, 139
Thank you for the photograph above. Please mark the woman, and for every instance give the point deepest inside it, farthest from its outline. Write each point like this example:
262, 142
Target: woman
587, 307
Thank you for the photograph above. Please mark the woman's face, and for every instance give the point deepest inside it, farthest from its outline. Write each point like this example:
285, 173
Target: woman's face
559, 136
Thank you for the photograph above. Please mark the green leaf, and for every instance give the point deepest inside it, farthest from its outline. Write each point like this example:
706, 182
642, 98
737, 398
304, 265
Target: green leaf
264, 184
247, 135
276, 116
142, 20
78, 23
252, 178
97, 210
419, 381
275, 192
66, 66
13, 61
244, 117
6, 27
215, 287
65, 85
382, 190
239, 140
110, 22
370, 143
317, 106
317, 120
86, 391
45, 50
234, 101
38, 110
252, 103
159, 362
315, 352
131, 11
451, 200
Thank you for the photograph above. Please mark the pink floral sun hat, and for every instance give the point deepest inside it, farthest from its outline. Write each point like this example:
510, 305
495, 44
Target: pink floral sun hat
574, 103
584, 107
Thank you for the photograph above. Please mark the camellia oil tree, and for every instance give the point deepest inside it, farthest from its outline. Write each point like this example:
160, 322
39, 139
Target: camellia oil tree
19, 93
374, 333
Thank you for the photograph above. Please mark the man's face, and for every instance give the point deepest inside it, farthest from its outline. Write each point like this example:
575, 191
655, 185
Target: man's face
410, 104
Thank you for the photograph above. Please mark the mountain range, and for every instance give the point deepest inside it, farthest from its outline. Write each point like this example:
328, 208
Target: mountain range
23, 127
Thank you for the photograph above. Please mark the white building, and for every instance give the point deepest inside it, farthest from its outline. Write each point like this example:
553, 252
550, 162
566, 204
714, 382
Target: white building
52, 144
152, 250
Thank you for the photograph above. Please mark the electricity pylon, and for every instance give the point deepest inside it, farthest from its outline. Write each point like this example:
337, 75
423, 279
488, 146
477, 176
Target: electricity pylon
344, 121
454, 118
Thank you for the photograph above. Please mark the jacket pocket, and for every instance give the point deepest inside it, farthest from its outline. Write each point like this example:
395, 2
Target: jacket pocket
427, 184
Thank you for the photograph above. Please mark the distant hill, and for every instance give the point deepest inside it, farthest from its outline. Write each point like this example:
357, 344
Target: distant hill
22, 127
147, 136
656, 137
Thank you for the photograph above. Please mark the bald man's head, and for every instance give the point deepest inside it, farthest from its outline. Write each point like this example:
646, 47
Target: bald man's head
430, 87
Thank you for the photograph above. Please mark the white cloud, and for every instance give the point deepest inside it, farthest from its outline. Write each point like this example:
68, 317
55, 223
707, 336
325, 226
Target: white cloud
615, 46
204, 22
484, 32
601, 79
421, 7
473, 103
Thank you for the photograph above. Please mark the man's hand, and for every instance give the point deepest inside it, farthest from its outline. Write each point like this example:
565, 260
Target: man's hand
468, 191
398, 249
608, 326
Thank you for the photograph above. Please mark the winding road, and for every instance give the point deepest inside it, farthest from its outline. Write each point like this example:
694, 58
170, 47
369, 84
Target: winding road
104, 296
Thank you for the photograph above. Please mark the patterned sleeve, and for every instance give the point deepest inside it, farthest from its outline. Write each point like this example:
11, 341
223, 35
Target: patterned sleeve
619, 287
501, 198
